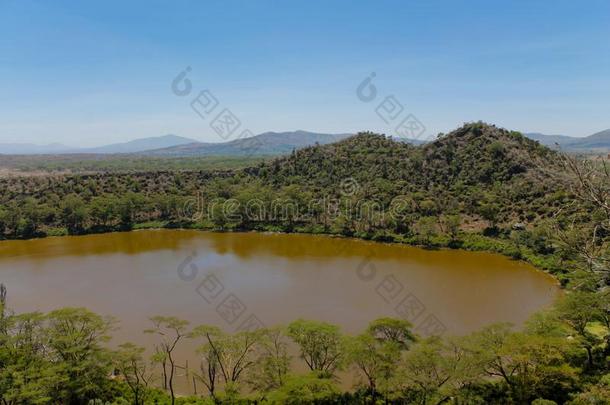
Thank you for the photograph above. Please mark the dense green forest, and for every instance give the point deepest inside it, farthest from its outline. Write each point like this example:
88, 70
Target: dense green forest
478, 187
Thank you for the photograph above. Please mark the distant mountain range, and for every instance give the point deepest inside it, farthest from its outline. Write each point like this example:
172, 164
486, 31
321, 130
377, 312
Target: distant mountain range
268, 143
138, 145
596, 143
143, 144
31, 149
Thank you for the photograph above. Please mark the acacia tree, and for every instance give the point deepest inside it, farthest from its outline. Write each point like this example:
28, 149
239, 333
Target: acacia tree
102, 210
321, 344
74, 213
209, 360
376, 353
426, 228
579, 309
434, 371
27, 375
227, 355
130, 363
397, 331
76, 338
589, 183
490, 212
531, 365
171, 331
375, 361
273, 362
450, 224
592, 183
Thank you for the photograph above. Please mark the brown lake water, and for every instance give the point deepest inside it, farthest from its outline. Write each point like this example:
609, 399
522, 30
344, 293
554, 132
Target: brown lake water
238, 280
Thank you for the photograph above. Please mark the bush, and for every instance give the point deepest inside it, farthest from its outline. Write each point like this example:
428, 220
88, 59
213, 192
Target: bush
305, 389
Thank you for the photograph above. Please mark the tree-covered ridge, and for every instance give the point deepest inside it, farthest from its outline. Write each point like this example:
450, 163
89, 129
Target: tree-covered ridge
481, 153
475, 165
478, 187
473, 154
460, 171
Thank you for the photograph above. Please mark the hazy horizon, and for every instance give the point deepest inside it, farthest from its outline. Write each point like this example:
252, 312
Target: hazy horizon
217, 140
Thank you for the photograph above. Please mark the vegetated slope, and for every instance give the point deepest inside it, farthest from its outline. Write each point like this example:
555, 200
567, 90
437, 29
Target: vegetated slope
479, 175
473, 165
483, 154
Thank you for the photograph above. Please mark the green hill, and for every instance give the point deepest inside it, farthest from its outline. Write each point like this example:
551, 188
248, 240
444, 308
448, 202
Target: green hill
477, 181
471, 166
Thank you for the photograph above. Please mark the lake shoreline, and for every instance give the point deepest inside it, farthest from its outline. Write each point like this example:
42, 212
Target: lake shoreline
317, 272
478, 242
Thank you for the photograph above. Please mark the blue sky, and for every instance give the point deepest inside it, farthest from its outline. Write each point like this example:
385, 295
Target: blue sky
86, 74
